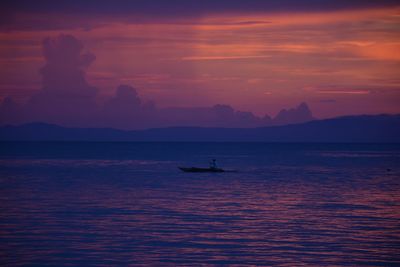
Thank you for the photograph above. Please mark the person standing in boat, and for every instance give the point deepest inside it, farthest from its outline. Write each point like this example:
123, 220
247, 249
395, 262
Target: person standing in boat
213, 164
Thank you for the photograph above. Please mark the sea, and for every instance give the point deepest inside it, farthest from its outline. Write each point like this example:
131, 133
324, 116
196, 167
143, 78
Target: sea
127, 203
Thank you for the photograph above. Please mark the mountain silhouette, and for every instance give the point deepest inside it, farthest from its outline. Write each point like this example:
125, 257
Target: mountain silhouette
362, 128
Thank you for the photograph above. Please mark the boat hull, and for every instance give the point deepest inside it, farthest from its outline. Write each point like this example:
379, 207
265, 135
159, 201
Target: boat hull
194, 169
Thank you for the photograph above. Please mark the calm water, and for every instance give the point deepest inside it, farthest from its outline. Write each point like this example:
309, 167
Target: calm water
127, 203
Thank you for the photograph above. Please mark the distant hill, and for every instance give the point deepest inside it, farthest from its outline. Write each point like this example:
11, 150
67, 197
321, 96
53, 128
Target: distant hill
363, 128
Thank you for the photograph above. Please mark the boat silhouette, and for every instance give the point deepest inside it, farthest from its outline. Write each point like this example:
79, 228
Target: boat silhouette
196, 169
213, 168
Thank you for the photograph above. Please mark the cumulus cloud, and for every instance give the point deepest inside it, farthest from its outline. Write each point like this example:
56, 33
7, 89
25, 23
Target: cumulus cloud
125, 101
301, 113
126, 110
67, 99
64, 70
215, 116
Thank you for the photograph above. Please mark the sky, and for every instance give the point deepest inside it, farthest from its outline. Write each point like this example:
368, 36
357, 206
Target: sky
340, 57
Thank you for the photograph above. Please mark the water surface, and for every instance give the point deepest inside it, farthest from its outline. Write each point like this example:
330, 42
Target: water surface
127, 203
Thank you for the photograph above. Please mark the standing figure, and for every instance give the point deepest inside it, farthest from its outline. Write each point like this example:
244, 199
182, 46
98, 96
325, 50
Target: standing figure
213, 164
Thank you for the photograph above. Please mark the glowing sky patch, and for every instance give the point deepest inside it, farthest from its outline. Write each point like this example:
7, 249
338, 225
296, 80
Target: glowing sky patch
255, 59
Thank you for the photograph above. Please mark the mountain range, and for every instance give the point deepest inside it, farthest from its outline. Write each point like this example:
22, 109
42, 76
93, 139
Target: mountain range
362, 128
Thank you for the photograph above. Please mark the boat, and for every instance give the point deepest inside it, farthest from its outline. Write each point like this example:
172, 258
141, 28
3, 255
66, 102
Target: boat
195, 169
213, 168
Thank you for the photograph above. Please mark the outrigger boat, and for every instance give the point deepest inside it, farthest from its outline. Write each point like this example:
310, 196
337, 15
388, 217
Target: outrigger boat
195, 169
213, 168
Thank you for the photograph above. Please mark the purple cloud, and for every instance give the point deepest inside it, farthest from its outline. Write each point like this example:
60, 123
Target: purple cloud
65, 62
67, 99
300, 114
50, 15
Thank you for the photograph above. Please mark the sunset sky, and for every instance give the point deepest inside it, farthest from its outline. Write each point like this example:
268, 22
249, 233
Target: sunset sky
340, 57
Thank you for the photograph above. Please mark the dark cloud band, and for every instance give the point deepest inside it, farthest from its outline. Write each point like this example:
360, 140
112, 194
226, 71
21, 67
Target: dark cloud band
186, 8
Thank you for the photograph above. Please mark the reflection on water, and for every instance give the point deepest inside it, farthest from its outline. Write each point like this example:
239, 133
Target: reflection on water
288, 206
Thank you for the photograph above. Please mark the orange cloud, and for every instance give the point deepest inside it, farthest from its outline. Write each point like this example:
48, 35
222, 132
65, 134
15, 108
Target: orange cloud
344, 92
233, 20
194, 58
276, 53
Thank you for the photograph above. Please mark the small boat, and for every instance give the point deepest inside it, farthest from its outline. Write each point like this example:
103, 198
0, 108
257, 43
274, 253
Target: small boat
195, 169
213, 168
